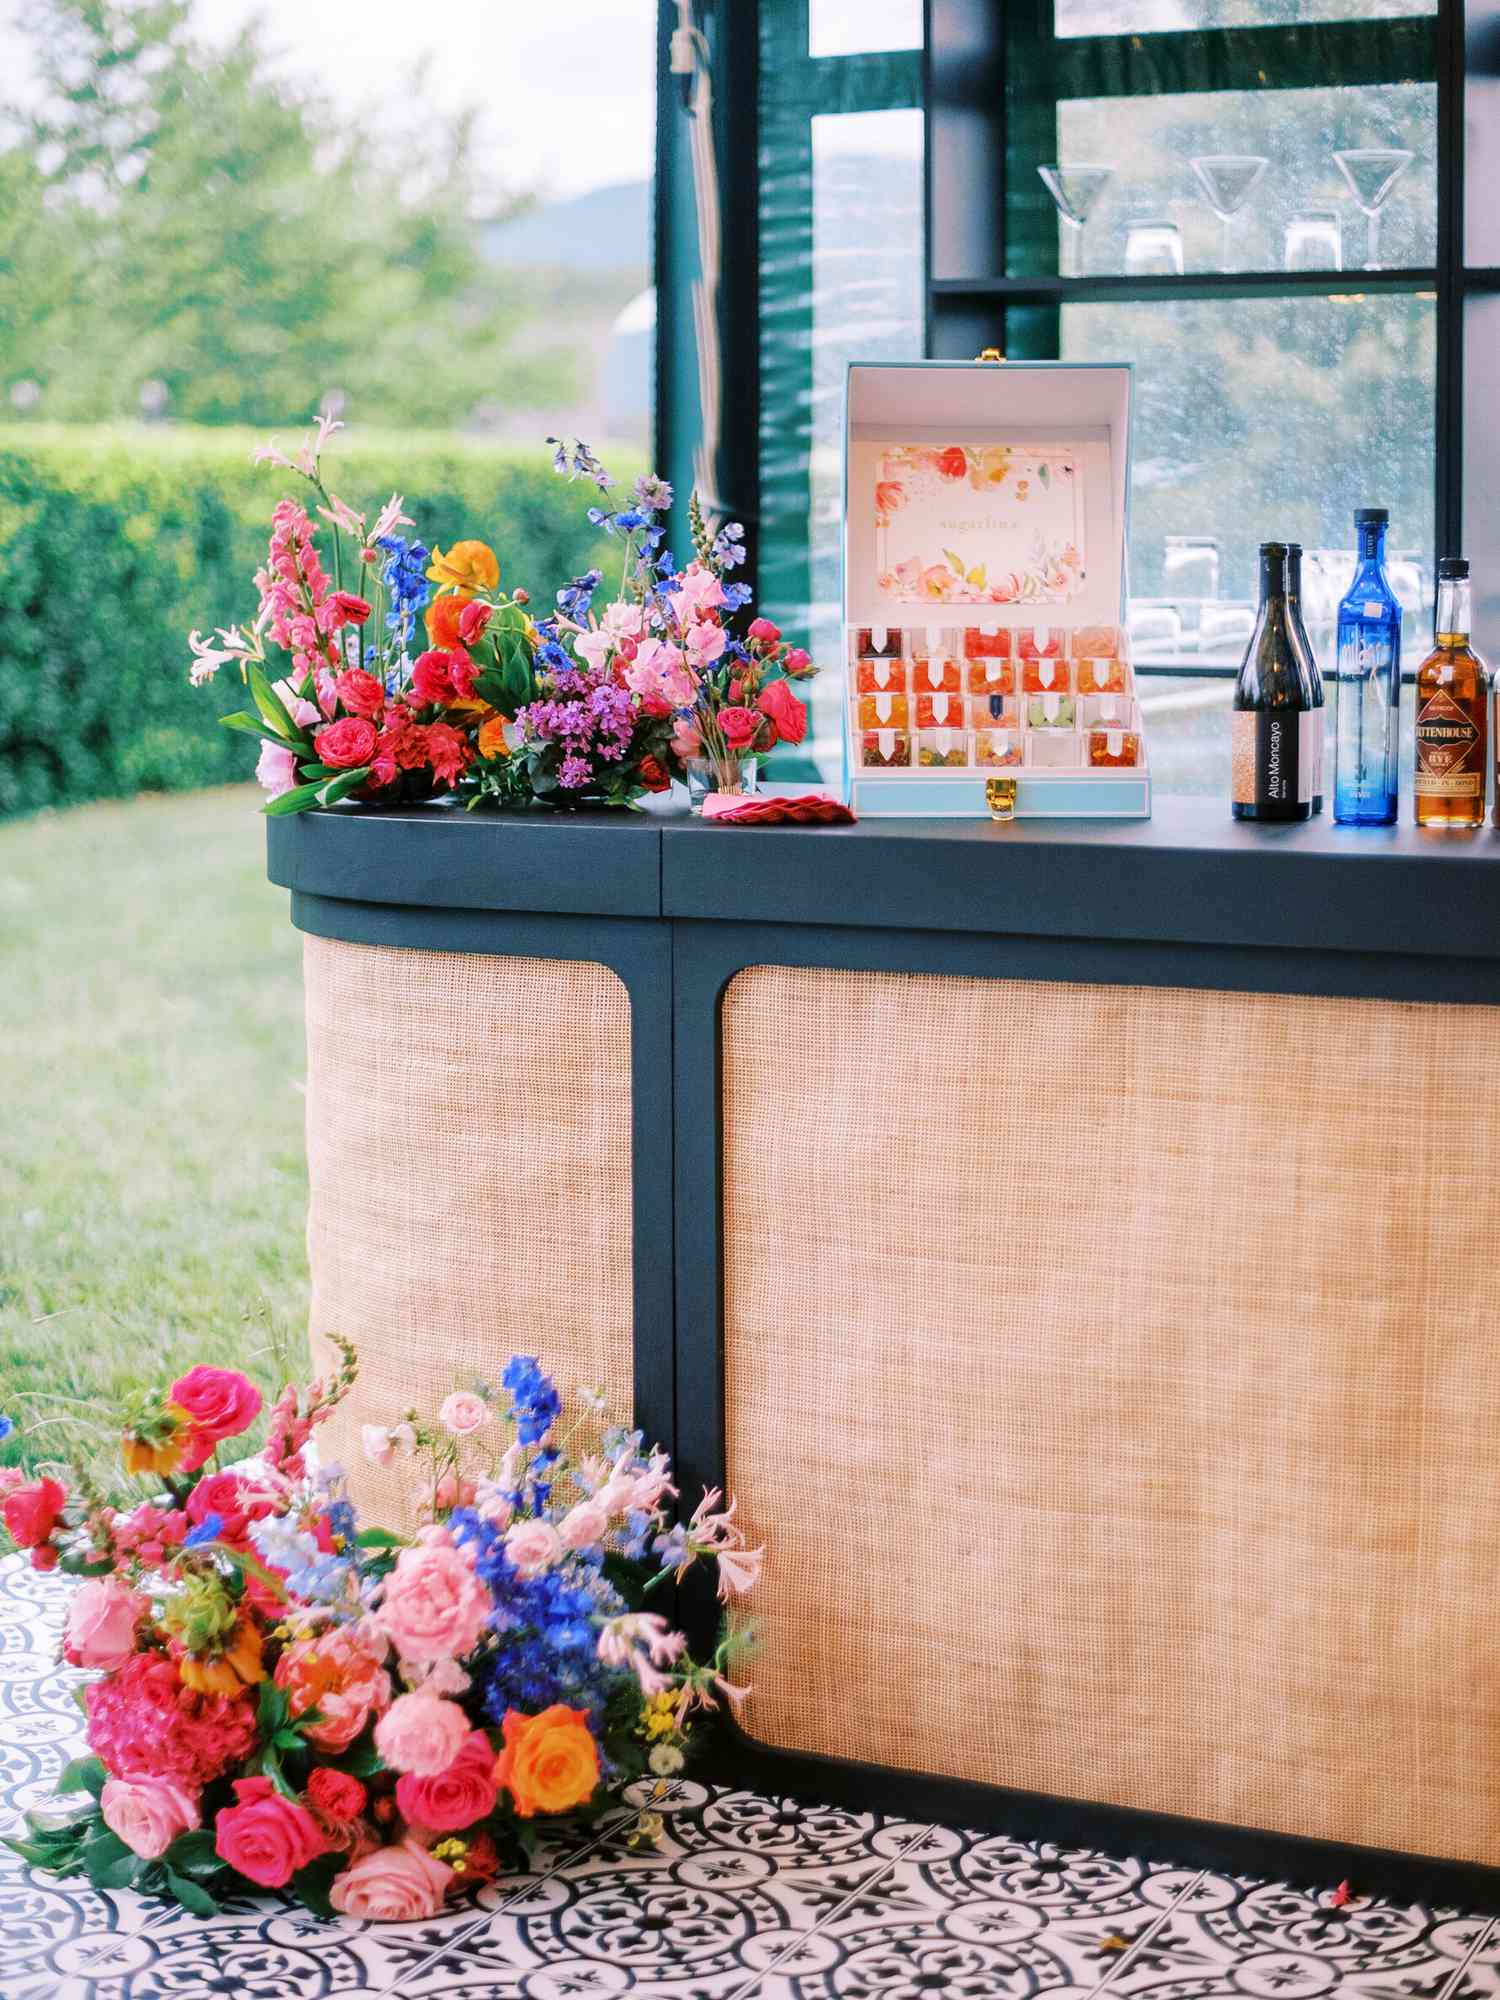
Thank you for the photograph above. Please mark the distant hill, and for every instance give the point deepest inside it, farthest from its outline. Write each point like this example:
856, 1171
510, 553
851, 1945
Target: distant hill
603, 230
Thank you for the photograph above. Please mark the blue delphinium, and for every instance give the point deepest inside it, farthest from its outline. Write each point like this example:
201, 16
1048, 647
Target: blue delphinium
574, 599
729, 546
7, 1425
404, 576
534, 1401
208, 1530
578, 462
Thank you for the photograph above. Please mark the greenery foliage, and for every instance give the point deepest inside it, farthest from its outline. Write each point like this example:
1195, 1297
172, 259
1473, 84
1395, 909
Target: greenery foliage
115, 543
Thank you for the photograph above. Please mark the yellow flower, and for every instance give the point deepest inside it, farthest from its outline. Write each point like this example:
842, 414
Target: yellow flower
467, 566
238, 1666
659, 1717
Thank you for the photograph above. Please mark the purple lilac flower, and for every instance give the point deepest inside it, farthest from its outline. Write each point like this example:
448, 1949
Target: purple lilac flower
653, 493
575, 773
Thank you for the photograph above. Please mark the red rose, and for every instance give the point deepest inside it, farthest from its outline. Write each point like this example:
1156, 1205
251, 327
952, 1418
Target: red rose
448, 752
360, 692
764, 630
738, 726
344, 744
221, 1402
235, 1500
335, 1793
652, 776
348, 609
266, 1837
31, 1513
951, 462
473, 619
788, 715
432, 678
455, 1798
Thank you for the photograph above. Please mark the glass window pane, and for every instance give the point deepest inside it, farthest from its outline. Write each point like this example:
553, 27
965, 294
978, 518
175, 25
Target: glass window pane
856, 27
1158, 214
1145, 17
1267, 419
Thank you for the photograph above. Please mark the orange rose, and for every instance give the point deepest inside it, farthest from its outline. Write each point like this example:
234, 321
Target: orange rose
441, 619
550, 1762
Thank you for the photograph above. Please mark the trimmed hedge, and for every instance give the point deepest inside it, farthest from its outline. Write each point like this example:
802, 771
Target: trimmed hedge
115, 543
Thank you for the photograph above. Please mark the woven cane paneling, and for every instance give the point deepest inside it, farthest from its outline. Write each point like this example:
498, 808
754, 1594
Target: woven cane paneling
468, 1142
1111, 1374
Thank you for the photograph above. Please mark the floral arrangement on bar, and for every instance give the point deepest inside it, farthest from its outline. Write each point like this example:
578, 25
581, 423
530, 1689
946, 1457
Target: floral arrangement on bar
373, 1724
501, 708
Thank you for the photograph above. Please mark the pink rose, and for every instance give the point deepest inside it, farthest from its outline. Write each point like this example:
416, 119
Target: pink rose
219, 1403
433, 1607
237, 1500
533, 1546
453, 1798
421, 1733
463, 1413
343, 745
101, 1625
394, 1885
686, 742
796, 662
583, 1526
787, 713
148, 1813
738, 726
275, 770
266, 1837
449, 1492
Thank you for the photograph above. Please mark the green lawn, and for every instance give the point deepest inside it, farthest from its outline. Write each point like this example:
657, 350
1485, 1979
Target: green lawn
152, 1183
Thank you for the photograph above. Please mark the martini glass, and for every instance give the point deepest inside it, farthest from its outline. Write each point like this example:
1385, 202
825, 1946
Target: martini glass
1228, 180
1372, 171
1075, 190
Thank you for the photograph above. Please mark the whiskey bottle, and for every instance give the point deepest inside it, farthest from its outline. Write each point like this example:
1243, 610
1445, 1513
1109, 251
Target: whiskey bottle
1452, 760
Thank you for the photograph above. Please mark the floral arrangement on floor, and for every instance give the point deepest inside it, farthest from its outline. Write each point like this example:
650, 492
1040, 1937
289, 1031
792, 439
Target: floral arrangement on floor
499, 707
372, 1723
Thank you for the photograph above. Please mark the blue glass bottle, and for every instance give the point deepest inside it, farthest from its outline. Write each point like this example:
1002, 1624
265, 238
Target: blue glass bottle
1367, 735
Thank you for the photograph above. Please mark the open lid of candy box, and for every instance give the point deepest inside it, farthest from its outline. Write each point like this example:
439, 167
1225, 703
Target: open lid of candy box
988, 499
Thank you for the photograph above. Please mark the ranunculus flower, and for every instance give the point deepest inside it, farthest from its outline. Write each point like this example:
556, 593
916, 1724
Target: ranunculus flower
421, 1733
652, 776
453, 1798
360, 692
472, 620
394, 1885
583, 1526
347, 608
763, 630
220, 1403
467, 566
265, 1836
432, 678
738, 726
31, 1512
339, 1673
102, 1621
275, 770
336, 1793
441, 619
550, 1762
148, 1813
787, 713
342, 745
464, 1412
533, 1546
492, 741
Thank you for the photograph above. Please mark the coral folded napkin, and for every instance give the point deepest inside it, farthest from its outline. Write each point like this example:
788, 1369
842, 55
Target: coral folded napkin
807, 809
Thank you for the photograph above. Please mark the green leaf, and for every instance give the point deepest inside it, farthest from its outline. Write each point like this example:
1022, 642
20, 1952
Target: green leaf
116, 1874
310, 1885
269, 703
377, 1538
248, 726
300, 799
194, 1853
84, 1774
346, 782
191, 1895
362, 1761
272, 1708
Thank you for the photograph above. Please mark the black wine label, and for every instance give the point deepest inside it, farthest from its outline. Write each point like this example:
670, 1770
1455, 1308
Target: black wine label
1449, 759
1275, 756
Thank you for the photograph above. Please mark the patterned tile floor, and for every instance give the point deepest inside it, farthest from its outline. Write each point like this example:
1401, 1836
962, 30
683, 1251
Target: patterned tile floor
748, 1896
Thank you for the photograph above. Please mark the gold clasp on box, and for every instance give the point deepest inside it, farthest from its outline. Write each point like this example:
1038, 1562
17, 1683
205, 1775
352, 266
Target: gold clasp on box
989, 354
1000, 797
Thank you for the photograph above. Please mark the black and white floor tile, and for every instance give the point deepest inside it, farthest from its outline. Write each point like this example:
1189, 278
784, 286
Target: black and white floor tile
746, 1898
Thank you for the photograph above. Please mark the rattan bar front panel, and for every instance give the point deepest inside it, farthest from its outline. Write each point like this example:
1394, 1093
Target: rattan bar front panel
468, 1143
1110, 1373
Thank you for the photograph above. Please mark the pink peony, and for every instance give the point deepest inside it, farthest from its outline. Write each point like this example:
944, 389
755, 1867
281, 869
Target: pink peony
421, 1734
463, 1413
265, 1837
275, 770
338, 1673
433, 1607
219, 1403
102, 1622
148, 1813
343, 745
394, 1885
455, 1797
533, 1546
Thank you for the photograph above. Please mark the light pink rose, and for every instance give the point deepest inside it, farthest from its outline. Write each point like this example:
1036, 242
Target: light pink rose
148, 1813
463, 1413
583, 1526
394, 1885
421, 1733
433, 1607
102, 1618
533, 1546
275, 770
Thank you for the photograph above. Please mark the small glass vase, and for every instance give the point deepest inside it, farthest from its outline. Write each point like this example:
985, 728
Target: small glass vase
730, 773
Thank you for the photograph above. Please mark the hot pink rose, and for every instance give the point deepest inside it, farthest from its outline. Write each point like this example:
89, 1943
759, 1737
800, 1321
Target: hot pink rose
533, 1546
102, 1621
394, 1885
796, 662
219, 1403
463, 1413
275, 770
344, 744
763, 630
30, 1512
265, 1836
236, 1499
433, 1607
421, 1733
455, 1797
738, 726
148, 1813
787, 713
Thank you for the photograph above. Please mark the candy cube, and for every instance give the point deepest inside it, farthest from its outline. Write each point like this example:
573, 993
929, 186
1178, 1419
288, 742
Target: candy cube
938, 673
881, 676
885, 749
883, 711
989, 676
943, 747
1099, 675
879, 642
1106, 711
987, 711
986, 645
940, 711
1041, 642
1101, 642
1045, 676
1050, 711
1053, 749
1114, 749
995, 747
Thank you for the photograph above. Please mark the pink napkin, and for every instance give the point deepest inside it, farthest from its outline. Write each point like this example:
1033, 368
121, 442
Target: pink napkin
808, 809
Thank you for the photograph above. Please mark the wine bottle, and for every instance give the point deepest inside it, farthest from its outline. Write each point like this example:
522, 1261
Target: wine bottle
1314, 675
1367, 734
1452, 759
1274, 717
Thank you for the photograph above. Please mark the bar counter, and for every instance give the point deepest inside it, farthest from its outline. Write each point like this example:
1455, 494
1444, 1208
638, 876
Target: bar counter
1072, 1242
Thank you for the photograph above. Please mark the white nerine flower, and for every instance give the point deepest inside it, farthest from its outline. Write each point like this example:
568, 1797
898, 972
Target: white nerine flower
666, 1760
